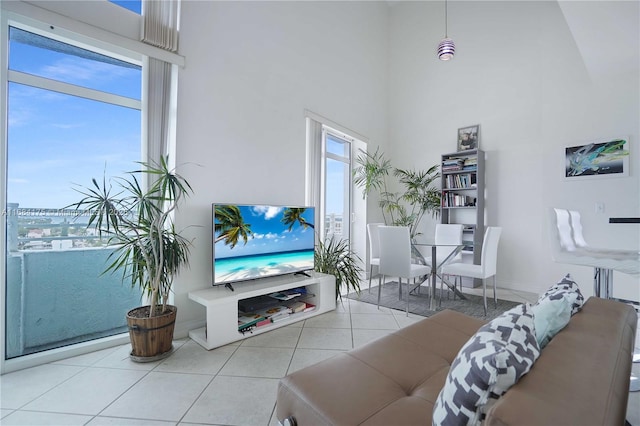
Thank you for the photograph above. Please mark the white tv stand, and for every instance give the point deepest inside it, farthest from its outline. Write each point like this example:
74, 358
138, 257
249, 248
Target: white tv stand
222, 305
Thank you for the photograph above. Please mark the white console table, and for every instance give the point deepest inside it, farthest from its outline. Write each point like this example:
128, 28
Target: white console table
222, 305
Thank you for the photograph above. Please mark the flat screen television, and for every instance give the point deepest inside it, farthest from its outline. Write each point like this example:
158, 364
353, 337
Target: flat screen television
258, 241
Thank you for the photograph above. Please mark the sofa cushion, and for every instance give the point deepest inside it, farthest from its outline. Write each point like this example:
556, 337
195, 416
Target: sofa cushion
568, 288
486, 366
393, 380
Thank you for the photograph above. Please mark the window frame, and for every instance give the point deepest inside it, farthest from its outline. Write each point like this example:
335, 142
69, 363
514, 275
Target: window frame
8, 19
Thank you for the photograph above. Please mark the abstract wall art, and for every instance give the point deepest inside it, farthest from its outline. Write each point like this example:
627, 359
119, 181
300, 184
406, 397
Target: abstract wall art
603, 158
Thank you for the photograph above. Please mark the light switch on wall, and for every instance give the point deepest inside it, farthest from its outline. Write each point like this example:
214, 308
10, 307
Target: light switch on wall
600, 208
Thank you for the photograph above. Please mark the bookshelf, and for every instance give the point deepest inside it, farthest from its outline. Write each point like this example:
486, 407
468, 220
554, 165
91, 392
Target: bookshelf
462, 200
223, 306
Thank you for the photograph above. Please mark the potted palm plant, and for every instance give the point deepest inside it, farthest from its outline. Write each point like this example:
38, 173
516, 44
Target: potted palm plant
148, 250
336, 258
407, 208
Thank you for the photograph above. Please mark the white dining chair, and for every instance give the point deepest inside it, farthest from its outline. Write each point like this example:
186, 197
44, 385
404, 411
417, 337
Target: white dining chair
488, 264
395, 258
374, 248
447, 234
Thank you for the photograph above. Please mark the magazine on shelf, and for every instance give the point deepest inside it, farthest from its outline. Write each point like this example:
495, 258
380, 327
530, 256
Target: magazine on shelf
286, 294
254, 304
274, 312
248, 320
265, 321
296, 306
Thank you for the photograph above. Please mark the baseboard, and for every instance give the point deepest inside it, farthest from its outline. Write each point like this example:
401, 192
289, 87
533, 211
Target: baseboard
182, 329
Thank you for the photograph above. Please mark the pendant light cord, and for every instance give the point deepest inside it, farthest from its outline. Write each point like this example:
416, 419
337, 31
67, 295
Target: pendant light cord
446, 21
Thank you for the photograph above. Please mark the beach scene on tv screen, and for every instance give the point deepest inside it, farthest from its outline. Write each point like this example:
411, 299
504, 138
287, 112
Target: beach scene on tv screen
253, 241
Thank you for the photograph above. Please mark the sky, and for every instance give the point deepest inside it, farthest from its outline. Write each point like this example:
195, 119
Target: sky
133, 5
335, 177
56, 141
269, 233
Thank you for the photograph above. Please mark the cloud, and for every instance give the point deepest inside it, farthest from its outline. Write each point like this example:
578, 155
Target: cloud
68, 126
72, 69
19, 180
269, 212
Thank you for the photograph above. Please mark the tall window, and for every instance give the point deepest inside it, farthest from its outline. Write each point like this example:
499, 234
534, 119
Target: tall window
73, 114
337, 188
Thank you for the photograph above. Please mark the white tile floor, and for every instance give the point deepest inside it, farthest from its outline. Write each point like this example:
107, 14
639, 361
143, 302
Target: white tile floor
232, 385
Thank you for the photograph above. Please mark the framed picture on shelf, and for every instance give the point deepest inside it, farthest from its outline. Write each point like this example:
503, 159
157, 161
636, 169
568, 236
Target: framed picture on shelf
601, 158
468, 137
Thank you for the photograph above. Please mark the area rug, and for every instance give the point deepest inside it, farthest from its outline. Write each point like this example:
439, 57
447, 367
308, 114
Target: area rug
419, 302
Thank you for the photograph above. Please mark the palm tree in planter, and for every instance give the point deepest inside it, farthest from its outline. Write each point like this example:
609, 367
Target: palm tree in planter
148, 250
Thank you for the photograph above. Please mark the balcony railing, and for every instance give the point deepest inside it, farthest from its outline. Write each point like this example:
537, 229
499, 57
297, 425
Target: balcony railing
57, 293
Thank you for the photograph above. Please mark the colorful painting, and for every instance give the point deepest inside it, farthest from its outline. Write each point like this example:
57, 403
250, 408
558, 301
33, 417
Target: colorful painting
607, 158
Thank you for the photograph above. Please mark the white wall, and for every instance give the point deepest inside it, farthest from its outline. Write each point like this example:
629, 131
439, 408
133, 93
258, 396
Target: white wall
252, 68
519, 74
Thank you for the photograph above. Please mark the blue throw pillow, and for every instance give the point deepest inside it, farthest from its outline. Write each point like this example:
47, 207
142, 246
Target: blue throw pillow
550, 316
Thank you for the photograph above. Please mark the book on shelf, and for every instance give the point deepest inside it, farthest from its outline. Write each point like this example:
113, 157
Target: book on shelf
286, 294
309, 307
249, 320
254, 304
296, 306
265, 321
274, 311
279, 318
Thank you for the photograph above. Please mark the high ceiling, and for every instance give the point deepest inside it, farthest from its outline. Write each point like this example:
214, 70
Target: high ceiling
607, 34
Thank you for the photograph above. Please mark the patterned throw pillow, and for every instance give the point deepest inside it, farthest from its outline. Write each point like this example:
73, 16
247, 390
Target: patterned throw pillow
491, 361
565, 288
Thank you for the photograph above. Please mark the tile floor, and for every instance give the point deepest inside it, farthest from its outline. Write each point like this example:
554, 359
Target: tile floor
232, 385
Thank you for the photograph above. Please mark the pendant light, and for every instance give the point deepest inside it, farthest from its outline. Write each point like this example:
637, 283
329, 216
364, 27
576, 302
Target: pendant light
446, 48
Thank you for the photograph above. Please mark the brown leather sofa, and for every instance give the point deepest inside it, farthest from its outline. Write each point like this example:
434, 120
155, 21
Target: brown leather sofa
581, 377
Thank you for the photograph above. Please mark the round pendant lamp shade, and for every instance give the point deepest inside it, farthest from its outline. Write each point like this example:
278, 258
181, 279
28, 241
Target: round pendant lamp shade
446, 49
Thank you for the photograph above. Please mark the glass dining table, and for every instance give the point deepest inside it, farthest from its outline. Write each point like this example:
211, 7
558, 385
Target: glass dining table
453, 250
